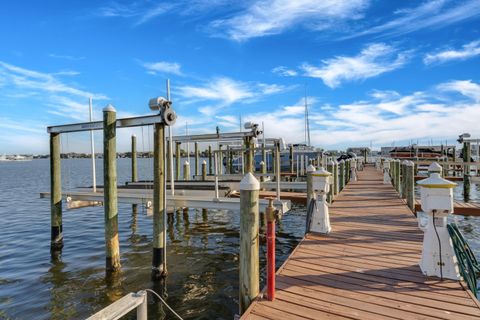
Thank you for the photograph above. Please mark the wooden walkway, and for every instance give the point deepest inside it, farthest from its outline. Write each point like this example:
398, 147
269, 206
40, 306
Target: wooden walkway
367, 268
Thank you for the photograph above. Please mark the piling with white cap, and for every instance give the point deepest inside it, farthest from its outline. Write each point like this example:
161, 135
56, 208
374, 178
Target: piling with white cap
434, 167
310, 194
112, 244
178, 158
438, 256
186, 171
204, 170
249, 241
263, 170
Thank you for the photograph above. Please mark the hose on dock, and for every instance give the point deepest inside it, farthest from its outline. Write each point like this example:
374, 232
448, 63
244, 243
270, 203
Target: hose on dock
165, 303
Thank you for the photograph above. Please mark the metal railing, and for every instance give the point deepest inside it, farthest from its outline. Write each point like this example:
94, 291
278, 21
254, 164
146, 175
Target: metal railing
468, 264
123, 306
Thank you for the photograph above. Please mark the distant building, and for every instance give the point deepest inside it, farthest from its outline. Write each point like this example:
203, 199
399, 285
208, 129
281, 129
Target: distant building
358, 150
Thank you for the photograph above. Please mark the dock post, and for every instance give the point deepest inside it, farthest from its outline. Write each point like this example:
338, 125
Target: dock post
204, 170
159, 265
249, 154
134, 159
335, 177
365, 153
410, 184
330, 168
186, 171
264, 154
310, 193
403, 179
197, 159
56, 237
110, 205
263, 170
249, 241
210, 160
467, 155
228, 169
341, 175
270, 213
178, 159
291, 159
397, 175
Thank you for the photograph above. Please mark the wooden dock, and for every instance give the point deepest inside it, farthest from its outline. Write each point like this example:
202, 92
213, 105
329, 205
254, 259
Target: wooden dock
367, 268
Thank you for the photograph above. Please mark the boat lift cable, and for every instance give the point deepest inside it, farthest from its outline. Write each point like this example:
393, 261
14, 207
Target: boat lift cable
165, 303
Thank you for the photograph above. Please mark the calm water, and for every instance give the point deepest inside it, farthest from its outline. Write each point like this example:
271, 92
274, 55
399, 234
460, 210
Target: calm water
202, 250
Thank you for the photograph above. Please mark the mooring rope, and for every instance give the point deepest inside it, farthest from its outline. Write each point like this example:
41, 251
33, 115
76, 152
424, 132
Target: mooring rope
165, 303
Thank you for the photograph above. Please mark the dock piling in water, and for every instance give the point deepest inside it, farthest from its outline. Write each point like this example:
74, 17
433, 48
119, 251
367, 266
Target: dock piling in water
249, 241
159, 266
56, 239
134, 159
112, 245
178, 159
204, 170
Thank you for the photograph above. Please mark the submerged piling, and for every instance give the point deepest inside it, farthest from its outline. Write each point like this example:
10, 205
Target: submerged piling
249, 241
112, 245
56, 237
204, 170
186, 171
134, 158
290, 158
178, 158
210, 160
197, 159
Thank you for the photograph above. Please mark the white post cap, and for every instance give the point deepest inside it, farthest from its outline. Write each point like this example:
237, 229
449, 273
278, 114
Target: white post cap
310, 168
109, 108
434, 167
204, 162
186, 163
249, 182
262, 163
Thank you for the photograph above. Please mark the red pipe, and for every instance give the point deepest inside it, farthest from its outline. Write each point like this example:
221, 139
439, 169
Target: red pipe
271, 260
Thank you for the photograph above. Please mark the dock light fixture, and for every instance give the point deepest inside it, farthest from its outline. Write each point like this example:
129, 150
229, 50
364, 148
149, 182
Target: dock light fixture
321, 186
438, 257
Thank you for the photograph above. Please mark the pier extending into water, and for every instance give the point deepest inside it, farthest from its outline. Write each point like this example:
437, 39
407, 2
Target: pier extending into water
366, 268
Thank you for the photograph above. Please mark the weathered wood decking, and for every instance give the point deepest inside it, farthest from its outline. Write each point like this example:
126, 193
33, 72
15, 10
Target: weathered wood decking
367, 268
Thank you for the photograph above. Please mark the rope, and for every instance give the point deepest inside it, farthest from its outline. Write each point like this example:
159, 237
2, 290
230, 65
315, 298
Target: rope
165, 303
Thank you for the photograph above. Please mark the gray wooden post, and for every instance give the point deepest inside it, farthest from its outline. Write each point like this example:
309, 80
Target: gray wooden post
197, 159
159, 265
365, 157
249, 241
204, 170
178, 159
110, 205
134, 159
467, 152
56, 237
403, 179
249, 166
310, 193
210, 160
330, 168
186, 171
410, 185
335, 178
291, 159
341, 175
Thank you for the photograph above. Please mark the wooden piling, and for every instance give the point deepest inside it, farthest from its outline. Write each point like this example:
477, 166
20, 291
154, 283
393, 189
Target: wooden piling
56, 237
291, 159
410, 185
197, 159
186, 171
335, 177
249, 269
264, 154
159, 266
467, 154
110, 205
204, 170
249, 155
341, 175
134, 159
310, 192
330, 168
403, 179
263, 170
210, 160
178, 159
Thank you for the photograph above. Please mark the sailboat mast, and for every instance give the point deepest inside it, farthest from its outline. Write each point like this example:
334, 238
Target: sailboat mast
307, 124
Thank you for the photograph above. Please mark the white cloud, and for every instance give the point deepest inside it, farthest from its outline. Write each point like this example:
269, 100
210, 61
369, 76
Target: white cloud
65, 57
223, 92
263, 18
468, 50
141, 11
429, 14
163, 67
467, 88
372, 61
284, 71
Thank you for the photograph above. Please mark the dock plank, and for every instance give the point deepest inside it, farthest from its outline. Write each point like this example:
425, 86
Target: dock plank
366, 268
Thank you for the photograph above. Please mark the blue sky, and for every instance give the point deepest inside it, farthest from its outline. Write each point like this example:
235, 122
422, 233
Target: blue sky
375, 72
